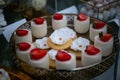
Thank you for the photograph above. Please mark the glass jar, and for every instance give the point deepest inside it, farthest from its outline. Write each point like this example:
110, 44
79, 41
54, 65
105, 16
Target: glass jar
101, 9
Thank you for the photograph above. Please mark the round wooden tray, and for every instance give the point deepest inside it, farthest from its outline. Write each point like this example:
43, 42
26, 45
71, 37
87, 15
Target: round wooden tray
79, 73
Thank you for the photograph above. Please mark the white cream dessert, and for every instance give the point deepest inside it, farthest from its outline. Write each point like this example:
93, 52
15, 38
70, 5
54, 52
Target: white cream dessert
105, 42
81, 23
39, 58
65, 60
23, 35
91, 55
42, 43
59, 21
96, 28
39, 27
61, 36
80, 44
23, 49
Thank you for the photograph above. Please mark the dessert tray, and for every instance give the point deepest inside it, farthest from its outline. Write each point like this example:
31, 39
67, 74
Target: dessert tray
79, 73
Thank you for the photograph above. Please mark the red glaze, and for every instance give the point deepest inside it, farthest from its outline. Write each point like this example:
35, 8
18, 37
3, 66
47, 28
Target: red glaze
92, 50
37, 53
21, 32
58, 16
105, 37
99, 24
23, 46
63, 56
39, 20
82, 17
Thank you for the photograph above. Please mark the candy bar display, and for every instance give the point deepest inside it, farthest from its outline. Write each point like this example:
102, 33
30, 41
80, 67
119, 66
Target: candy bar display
101, 9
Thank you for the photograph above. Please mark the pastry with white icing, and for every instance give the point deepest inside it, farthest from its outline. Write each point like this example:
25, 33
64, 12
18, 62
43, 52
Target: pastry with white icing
78, 45
42, 43
61, 38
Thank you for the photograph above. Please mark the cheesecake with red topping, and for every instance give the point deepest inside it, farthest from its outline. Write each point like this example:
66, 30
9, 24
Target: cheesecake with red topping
91, 55
39, 58
23, 49
23, 35
96, 28
81, 23
39, 27
65, 60
59, 21
105, 42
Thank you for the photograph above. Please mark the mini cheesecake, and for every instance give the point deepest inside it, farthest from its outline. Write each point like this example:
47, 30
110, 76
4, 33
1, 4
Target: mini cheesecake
23, 35
81, 23
39, 58
23, 49
39, 27
96, 28
59, 21
91, 55
105, 42
65, 60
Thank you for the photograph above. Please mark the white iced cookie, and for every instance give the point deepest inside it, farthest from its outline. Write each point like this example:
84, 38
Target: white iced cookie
39, 27
23, 35
96, 28
42, 43
23, 49
105, 43
81, 23
39, 58
61, 36
91, 55
52, 53
59, 21
65, 60
80, 44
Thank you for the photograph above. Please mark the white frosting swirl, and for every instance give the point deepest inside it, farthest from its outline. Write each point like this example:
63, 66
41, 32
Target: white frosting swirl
42, 43
52, 53
80, 44
62, 35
